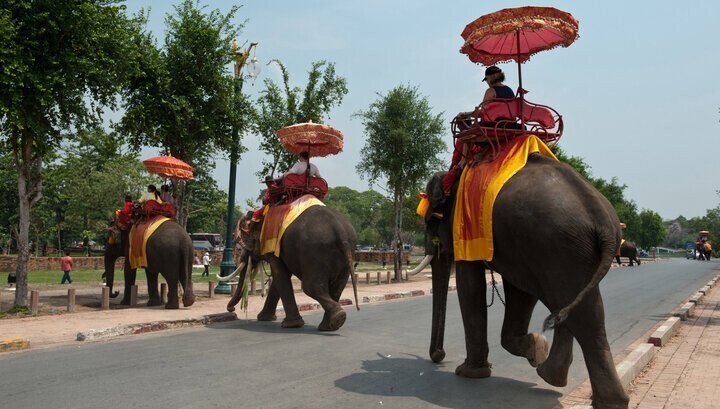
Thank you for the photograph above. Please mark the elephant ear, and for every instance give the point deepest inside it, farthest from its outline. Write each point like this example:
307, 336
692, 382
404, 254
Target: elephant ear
434, 193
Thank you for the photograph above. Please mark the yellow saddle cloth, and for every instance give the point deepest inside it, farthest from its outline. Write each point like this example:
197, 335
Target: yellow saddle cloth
479, 186
278, 218
139, 234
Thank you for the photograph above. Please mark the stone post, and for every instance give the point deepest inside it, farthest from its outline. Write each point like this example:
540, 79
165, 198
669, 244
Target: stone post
71, 300
133, 295
105, 303
34, 301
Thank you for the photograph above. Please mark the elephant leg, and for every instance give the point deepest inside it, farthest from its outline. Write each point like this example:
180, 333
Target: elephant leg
587, 324
471, 289
515, 339
334, 316
154, 294
268, 311
283, 284
130, 276
617, 258
555, 368
441, 266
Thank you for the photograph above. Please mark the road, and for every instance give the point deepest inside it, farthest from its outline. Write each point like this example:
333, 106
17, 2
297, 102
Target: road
378, 359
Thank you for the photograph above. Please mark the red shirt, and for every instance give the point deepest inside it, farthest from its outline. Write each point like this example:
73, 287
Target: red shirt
125, 213
66, 263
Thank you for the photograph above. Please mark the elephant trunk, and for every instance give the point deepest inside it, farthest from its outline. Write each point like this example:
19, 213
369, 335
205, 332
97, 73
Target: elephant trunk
239, 290
424, 263
441, 266
109, 273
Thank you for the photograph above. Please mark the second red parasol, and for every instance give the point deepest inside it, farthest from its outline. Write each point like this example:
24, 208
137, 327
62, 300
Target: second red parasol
315, 139
169, 167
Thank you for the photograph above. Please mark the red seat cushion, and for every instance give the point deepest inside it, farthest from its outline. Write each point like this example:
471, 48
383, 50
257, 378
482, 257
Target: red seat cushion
539, 115
316, 185
499, 109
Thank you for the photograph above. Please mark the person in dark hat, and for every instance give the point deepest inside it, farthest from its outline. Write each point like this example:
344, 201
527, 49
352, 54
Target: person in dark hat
495, 77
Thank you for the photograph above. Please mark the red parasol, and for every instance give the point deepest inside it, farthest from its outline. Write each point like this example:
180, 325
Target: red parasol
515, 34
315, 139
169, 167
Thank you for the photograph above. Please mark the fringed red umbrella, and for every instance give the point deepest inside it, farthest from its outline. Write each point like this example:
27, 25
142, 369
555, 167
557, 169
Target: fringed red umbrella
515, 34
169, 167
315, 139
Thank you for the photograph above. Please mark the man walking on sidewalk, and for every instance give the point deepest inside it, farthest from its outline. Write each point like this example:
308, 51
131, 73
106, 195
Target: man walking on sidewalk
66, 264
206, 264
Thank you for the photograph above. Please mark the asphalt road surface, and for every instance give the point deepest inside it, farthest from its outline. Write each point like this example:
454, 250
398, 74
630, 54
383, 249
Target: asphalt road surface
377, 360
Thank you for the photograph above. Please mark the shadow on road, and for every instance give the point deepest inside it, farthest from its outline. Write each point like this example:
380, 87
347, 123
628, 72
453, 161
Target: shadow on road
437, 384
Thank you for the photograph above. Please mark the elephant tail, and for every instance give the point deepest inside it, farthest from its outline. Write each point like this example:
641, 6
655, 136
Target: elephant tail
353, 277
608, 249
185, 276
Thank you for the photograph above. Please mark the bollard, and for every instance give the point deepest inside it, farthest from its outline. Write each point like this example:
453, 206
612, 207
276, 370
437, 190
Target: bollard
163, 293
133, 295
262, 285
356, 277
253, 285
378, 278
34, 300
105, 302
211, 289
71, 300
367, 278
233, 288
388, 277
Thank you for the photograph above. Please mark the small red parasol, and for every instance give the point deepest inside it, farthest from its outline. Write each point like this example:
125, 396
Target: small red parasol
315, 139
169, 167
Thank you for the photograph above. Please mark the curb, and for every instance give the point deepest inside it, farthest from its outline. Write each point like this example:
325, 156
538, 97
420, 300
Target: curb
641, 356
17, 344
143, 328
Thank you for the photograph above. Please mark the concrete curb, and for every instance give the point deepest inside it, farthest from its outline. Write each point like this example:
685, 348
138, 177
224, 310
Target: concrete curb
96, 334
631, 366
665, 332
686, 311
17, 344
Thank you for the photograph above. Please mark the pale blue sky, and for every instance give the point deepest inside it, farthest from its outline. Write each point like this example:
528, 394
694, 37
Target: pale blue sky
638, 90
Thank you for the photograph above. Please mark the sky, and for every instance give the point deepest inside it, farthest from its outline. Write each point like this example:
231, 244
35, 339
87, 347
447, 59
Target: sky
638, 91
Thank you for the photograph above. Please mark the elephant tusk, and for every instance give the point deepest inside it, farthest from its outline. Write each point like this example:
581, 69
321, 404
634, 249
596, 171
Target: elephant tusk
226, 278
425, 261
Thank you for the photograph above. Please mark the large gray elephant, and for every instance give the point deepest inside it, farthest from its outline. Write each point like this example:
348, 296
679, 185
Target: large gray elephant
554, 239
628, 249
317, 248
169, 253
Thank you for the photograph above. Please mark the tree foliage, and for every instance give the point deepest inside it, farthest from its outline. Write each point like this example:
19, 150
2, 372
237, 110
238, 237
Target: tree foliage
282, 105
188, 103
651, 230
62, 62
403, 140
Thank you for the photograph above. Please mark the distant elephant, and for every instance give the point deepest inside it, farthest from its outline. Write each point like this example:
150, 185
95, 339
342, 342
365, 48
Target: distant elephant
169, 253
317, 248
546, 209
629, 250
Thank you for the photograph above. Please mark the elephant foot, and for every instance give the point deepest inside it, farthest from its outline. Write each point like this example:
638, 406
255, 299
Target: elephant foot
333, 321
188, 299
437, 356
125, 301
265, 316
553, 375
466, 371
154, 303
537, 352
293, 322
172, 304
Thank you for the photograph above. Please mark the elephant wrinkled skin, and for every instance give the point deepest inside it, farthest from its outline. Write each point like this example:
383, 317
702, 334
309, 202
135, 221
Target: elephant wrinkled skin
555, 237
169, 253
318, 249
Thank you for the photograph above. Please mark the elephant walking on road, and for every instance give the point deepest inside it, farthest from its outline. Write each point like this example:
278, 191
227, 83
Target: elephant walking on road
629, 250
169, 253
317, 248
546, 209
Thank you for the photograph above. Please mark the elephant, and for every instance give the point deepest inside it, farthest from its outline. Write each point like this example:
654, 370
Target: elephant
546, 209
169, 253
629, 250
317, 248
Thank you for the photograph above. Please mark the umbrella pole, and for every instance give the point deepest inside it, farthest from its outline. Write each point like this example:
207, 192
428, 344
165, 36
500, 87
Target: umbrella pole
520, 88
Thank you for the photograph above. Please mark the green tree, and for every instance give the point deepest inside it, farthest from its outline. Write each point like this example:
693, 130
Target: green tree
403, 141
651, 229
186, 103
62, 62
283, 105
